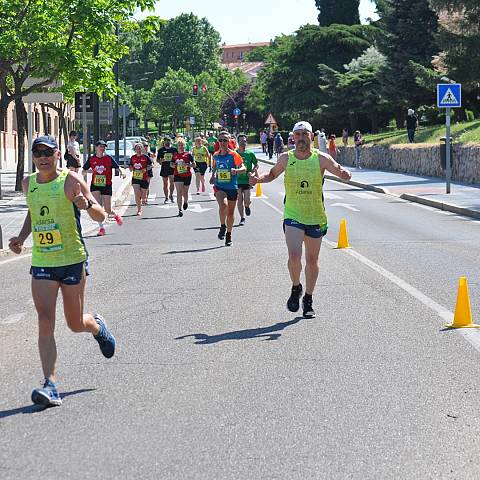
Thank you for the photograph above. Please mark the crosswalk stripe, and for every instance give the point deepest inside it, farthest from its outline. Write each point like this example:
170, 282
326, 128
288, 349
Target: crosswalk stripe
332, 196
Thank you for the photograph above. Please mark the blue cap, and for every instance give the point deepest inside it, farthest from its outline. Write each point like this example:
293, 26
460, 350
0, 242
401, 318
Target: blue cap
47, 140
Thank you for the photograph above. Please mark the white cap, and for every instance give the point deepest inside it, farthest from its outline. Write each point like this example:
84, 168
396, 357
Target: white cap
302, 126
410, 111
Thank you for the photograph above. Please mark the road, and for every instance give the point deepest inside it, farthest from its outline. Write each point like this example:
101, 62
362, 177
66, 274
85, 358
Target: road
215, 379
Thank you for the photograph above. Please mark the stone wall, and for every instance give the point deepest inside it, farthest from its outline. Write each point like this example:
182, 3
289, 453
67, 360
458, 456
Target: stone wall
419, 159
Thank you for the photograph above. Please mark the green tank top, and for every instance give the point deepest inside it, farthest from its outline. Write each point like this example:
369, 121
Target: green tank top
56, 227
200, 154
303, 190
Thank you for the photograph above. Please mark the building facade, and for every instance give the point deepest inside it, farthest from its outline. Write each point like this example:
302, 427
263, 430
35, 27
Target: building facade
237, 53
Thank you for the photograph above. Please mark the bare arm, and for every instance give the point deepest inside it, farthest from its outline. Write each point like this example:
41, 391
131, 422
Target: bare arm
329, 164
16, 243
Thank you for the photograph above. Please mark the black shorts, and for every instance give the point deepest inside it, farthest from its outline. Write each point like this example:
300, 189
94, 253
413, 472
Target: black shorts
106, 190
72, 162
185, 180
201, 168
166, 171
313, 231
232, 194
143, 183
68, 274
244, 187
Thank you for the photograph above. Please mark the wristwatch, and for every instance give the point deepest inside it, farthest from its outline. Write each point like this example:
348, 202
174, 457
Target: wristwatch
90, 204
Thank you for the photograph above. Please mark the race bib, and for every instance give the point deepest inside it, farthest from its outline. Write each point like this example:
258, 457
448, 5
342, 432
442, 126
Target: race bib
138, 174
47, 238
168, 157
182, 169
100, 180
223, 175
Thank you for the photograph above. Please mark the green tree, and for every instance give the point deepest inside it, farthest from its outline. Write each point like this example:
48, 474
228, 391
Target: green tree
338, 11
410, 28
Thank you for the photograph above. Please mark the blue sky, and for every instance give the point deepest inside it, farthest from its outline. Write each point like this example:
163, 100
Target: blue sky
251, 20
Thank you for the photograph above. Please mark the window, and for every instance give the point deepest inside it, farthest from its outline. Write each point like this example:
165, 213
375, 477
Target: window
36, 121
49, 124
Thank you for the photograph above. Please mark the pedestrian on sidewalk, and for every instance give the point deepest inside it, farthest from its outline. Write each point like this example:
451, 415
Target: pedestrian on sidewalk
322, 142
263, 141
72, 155
279, 145
411, 122
270, 142
59, 257
345, 136
358, 141
290, 141
332, 146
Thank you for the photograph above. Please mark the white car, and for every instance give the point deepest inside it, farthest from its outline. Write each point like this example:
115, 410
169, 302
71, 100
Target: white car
124, 157
135, 140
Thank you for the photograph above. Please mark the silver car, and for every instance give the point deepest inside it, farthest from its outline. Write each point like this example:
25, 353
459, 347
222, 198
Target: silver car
124, 157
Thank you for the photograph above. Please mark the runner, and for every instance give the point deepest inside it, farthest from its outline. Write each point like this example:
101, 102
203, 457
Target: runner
226, 166
251, 164
101, 166
305, 221
150, 156
139, 165
153, 145
202, 160
164, 158
59, 258
182, 162
212, 141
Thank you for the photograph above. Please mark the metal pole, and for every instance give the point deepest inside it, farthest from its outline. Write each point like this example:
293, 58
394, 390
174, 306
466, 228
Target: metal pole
447, 153
30, 136
125, 160
86, 141
116, 111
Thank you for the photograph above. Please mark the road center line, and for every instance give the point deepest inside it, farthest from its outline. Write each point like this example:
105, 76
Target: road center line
471, 335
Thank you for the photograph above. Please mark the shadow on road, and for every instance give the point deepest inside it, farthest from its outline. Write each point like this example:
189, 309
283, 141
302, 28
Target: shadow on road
38, 408
158, 218
197, 250
267, 332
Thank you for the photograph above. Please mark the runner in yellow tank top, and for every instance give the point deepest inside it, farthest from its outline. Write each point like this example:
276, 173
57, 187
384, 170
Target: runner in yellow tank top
305, 221
55, 198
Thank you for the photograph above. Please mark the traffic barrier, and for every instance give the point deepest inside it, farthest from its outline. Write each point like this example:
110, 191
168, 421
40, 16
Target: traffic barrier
463, 312
258, 191
342, 235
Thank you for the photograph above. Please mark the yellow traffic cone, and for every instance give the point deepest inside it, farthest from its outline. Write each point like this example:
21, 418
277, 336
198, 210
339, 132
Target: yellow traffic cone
258, 191
342, 235
463, 313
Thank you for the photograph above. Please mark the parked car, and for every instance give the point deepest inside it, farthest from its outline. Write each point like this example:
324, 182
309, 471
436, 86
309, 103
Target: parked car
124, 157
136, 139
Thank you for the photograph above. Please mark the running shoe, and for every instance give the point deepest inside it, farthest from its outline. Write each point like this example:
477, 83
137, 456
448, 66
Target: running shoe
228, 239
242, 222
180, 213
293, 303
119, 220
198, 191
247, 211
166, 200
221, 233
47, 396
101, 232
308, 311
171, 198
185, 205
104, 338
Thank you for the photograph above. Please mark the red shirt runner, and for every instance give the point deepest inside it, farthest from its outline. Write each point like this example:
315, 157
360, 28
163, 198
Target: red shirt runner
139, 164
101, 170
183, 163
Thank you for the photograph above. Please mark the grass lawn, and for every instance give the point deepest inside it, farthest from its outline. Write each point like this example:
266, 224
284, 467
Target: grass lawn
461, 132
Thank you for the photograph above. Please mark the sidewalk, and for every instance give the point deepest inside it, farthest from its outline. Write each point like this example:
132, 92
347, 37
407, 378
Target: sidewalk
463, 199
13, 208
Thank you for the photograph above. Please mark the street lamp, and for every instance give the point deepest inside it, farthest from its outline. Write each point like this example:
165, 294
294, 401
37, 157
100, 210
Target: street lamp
244, 115
225, 121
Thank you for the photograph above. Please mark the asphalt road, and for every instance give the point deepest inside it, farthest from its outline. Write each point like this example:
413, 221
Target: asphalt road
215, 379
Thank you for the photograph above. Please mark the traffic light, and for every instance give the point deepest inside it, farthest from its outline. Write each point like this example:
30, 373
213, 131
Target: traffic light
195, 90
79, 102
235, 117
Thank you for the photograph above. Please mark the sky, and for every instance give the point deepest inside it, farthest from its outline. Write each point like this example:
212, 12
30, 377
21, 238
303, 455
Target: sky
250, 20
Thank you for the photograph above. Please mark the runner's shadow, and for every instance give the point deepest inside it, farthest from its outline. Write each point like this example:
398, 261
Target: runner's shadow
197, 250
267, 332
38, 408
211, 228
159, 218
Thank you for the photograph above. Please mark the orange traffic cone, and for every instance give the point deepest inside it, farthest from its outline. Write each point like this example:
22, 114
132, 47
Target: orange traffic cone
342, 235
463, 313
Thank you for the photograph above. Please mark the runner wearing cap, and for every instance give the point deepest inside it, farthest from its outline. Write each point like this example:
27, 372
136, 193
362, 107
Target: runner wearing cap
101, 166
164, 158
140, 164
226, 166
202, 160
59, 257
251, 164
305, 221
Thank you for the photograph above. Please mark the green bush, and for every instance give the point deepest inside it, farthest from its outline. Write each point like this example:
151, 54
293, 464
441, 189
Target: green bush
470, 116
253, 138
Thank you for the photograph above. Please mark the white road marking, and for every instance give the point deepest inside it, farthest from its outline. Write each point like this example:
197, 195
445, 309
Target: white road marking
348, 206
365, 195
197, 208
332, 196
425, 207
472, 335
152, 196
14, 259
14, 318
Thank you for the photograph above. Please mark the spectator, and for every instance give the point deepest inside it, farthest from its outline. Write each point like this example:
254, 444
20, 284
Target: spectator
72, 155
358, 141
291, 141
411, 123
332, 146
263, 141
345, 136
315, 139
322, 141
270, 141
279, 145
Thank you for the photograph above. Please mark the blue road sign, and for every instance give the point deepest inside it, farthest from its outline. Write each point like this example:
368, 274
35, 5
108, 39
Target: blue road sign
449, 95
237, 111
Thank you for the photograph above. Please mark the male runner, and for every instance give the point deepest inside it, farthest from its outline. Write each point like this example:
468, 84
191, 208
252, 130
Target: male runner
226, 166
251, 164
101, 166
59, 258
164, 158
305, 221
202, 160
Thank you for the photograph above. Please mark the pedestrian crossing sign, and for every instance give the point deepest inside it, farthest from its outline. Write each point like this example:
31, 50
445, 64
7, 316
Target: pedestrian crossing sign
449, 95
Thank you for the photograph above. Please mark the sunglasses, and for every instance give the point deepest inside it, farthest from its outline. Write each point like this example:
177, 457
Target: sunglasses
223, 139
45, 152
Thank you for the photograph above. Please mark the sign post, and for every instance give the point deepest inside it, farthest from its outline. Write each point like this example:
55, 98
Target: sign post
449, 95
